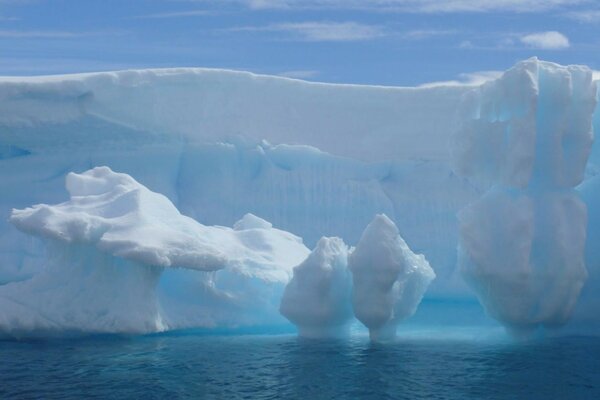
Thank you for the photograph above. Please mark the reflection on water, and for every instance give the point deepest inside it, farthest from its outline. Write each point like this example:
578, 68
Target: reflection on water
228, 367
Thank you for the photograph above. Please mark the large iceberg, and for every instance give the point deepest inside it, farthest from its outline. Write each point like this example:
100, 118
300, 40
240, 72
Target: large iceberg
314, 159
108, 246
528, 135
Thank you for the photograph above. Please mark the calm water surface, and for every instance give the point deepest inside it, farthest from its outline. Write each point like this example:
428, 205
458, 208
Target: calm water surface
271, 367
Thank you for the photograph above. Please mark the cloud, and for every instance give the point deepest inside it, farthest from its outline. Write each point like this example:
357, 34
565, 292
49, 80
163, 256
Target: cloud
299, 74
588, 16
550, 40
322, 31
427, 33
467, 79
176, 14
416, 6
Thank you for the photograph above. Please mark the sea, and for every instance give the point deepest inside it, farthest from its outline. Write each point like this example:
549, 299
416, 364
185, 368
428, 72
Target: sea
436, 364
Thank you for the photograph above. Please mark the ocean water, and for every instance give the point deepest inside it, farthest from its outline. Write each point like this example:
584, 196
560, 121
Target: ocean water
419, 365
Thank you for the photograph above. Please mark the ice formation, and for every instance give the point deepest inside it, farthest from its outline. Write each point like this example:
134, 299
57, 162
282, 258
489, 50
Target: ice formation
389, 279
317, 299
314, 159
108, 246
528, 135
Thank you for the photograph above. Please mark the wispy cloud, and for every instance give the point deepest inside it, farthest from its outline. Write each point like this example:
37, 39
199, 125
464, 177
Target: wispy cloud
427, 33
416, 6
176, 14
299, 74
551, 40
588, 16
322, 31
468, 79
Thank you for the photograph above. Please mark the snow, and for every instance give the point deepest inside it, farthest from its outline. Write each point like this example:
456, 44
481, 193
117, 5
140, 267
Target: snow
528, 135
389, 279
107, 248
317, 299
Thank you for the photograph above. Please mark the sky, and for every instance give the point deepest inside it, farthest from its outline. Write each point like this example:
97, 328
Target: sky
381, 42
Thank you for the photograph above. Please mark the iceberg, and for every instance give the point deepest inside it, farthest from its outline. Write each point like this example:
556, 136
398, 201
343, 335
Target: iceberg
108, 246
389, 279
316, 159
528, 136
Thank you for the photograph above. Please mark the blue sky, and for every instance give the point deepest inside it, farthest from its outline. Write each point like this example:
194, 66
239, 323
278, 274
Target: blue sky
386, 42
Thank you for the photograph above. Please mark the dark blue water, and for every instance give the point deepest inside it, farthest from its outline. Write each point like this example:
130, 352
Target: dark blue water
272, 367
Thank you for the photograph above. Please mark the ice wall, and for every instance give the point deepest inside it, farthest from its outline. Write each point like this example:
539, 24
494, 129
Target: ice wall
528, 135
314, 159
108, 246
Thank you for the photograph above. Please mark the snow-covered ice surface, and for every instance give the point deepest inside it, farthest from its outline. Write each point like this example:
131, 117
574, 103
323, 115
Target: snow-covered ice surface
316, 160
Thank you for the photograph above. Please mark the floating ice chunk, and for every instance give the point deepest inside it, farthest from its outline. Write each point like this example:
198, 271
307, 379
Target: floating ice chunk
317, 299
523, 255
389, 279
107, 247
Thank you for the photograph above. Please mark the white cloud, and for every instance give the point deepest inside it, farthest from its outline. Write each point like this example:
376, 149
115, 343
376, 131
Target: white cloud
417, 6
322, 31
299, 74
467, 79
427, 33
550, 40
175, 14
596, 75
588, 16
